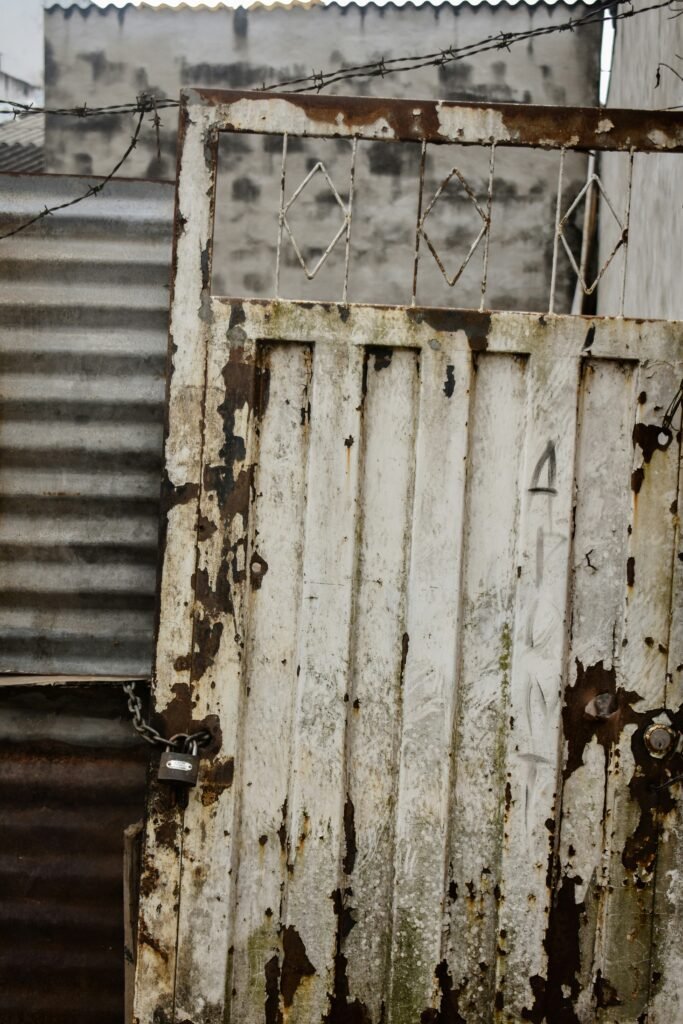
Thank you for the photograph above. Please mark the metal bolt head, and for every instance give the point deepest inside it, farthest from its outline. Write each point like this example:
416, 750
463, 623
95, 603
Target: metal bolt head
659, 739
601, 706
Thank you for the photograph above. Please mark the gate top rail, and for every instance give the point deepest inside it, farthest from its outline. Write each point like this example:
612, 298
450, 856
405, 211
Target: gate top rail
442, 121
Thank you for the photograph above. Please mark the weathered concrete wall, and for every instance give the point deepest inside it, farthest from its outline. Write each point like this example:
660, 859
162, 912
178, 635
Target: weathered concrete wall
108, 56
653, 273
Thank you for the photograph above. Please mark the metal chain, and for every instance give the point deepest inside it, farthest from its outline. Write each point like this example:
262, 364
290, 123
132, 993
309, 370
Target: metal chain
181, 741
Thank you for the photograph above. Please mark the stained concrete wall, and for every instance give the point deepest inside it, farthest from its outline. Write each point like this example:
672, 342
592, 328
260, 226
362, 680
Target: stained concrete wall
653, 272
108, 56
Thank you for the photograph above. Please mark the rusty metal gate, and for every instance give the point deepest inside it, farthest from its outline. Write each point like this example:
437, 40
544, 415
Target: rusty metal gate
421, 580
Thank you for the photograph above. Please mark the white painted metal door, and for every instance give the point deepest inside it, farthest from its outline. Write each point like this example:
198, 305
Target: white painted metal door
422, 569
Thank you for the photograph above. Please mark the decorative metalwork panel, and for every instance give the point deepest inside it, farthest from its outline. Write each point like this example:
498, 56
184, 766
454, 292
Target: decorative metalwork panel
420, 582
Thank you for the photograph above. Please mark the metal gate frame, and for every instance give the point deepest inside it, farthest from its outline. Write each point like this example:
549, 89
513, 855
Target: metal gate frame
185, 951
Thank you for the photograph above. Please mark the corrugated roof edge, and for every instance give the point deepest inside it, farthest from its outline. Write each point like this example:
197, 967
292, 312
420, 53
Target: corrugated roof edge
86, 10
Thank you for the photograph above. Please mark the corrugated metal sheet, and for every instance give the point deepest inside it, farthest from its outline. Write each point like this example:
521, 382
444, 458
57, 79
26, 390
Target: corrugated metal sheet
72, 778
83, 327
87, 5
22, 144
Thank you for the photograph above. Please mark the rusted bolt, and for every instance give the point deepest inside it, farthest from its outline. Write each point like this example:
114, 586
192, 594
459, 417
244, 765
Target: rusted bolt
659, 739
602, 706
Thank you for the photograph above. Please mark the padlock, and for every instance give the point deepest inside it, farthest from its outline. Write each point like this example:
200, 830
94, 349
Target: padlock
180, 768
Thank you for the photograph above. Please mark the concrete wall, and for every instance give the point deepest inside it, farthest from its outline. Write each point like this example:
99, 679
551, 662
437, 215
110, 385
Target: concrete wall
653, 279
108, 56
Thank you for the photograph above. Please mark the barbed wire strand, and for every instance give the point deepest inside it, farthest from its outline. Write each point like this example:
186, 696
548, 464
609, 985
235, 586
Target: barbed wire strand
382, 67
148, 103
92, 190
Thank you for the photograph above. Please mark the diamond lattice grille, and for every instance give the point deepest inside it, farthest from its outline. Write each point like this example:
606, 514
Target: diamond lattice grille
318, 169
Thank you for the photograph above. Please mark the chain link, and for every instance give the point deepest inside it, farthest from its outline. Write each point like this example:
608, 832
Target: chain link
182, 741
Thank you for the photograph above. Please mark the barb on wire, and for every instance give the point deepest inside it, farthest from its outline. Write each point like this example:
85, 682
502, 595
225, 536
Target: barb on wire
92, 190
319, 80
663, 64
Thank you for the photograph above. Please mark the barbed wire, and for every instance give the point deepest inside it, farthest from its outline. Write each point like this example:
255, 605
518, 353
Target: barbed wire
92, 190
147, 103
382, 67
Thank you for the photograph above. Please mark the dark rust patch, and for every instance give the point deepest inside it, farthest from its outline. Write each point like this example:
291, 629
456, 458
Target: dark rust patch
205, 528
348, 441
645, 788
343, 1010
522, 124
237, 315
149, 940
218, 777
630, 571
282, 831
476, 325
591, 682
178, 713
295, 966
637, 477
448, 1011
556, 997
349, 837
207, 641
646, 436
182, 663
166, 835
449, 383
258, 567
273, 1013
382, 357
176, 494
605, 993
590, 338
405, 644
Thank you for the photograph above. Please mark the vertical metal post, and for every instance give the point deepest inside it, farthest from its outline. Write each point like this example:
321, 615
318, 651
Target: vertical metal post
558, 209
349, 217
281, 216
418, 226
487, 239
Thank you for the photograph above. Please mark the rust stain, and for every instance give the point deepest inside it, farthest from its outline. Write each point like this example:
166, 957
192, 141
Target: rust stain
476, 325
655, 803
645, 436
631, 571
637, 477
449, 383
349, 861
405, 645
605, 993
342, 1009
521, 124
295, 965
149, 940
176, 494
205, 528
448, 1011
282, 831
166, 835
217, 778
273, 1013
258, 567
579, 729
555, 997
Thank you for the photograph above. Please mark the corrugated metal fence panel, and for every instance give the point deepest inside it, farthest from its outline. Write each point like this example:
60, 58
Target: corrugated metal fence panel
83, 334
72, 778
